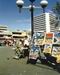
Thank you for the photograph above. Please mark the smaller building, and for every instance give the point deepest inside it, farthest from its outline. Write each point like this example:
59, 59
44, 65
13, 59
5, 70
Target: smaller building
19, 34
5, 34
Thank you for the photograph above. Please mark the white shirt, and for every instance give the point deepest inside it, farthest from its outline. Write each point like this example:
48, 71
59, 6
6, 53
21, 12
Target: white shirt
26, 42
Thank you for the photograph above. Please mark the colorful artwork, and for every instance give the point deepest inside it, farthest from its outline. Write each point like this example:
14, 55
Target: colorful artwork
39, 36
48, 38
57, 38
56, 50
47, 48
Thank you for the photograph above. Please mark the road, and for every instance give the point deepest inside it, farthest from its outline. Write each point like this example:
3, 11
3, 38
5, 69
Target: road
10, 66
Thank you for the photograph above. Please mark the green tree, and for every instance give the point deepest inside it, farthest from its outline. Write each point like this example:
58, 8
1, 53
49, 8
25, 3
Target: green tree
56, 8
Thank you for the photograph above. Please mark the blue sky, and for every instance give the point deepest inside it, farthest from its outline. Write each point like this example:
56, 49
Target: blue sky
10, 16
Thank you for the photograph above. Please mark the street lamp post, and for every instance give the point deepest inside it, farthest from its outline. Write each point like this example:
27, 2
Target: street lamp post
32, 22
43, 4
32, 28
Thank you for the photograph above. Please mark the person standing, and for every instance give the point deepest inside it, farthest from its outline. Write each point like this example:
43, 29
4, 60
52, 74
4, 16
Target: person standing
26, 46
18, 49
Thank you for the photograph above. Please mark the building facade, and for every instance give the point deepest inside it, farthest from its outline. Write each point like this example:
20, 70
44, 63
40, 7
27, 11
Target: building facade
19, 34
5, 33
45, 22
7, 37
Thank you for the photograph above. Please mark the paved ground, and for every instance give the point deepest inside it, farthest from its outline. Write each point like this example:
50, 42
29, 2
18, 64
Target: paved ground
10, 66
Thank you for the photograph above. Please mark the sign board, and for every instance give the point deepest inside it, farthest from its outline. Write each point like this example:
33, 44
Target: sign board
48, 38
56, 49
39, 36
47, 48
57, 38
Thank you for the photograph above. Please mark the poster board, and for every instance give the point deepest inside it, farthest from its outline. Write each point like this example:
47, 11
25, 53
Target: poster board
57, 38
49, 38
47, 48
39, 37
56, 50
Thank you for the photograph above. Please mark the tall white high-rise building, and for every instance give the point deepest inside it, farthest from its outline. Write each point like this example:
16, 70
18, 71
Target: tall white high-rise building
45, 22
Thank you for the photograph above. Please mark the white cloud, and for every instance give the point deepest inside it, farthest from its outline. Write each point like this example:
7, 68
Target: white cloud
23, 21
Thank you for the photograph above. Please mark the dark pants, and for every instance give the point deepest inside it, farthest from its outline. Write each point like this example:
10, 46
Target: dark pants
26, 52
50, 58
